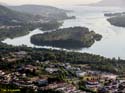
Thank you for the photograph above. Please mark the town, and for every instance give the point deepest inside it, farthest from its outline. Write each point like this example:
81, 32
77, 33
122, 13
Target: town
62, 46
60, 77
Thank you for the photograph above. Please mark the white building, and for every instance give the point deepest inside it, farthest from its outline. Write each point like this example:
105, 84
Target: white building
51, 70
109, 76
80, 73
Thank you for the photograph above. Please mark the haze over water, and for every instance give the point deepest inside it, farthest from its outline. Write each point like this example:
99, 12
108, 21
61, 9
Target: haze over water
112, 44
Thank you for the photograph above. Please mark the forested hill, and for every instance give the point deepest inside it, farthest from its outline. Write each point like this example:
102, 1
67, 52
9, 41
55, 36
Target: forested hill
69, 38
49, 12
117, 20
14, 23
8, 15
31, 14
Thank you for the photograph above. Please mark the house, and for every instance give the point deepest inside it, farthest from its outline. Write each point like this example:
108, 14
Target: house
29, 68
42, 82
51, 70
92, 85
87, 78
52, 86
1, 73
21, 53
68, 66
80, 73
11, 59
109, 76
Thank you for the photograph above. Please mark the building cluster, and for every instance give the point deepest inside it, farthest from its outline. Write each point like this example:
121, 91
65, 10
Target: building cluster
9, 27
14, 56
63, 77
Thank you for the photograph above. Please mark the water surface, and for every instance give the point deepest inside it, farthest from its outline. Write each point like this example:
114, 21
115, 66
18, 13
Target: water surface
112, 44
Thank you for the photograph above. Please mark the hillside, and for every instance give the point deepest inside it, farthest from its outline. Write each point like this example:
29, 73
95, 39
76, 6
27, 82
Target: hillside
118, 3
42, 10
14, 24
117, 20
70, 38
10, 16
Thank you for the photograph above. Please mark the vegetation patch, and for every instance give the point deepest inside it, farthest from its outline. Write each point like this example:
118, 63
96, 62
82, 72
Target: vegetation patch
69, 38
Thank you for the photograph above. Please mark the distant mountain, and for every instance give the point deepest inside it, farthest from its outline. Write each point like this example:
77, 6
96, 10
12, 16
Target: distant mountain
14, 24
118, 3
42, 10
7, 16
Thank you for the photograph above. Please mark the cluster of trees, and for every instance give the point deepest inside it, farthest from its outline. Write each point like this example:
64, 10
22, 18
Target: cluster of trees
25, 28
73, 37
51, 25
104, 64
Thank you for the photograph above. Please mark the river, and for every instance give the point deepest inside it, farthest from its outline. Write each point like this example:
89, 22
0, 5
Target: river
112, 44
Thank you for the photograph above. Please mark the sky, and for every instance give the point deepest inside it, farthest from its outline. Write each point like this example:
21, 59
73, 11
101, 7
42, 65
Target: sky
47, 2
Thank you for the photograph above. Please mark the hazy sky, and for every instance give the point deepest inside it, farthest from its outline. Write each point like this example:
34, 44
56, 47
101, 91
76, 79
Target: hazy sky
47, 2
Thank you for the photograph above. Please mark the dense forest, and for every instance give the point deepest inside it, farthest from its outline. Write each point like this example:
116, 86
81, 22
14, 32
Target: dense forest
70, 38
